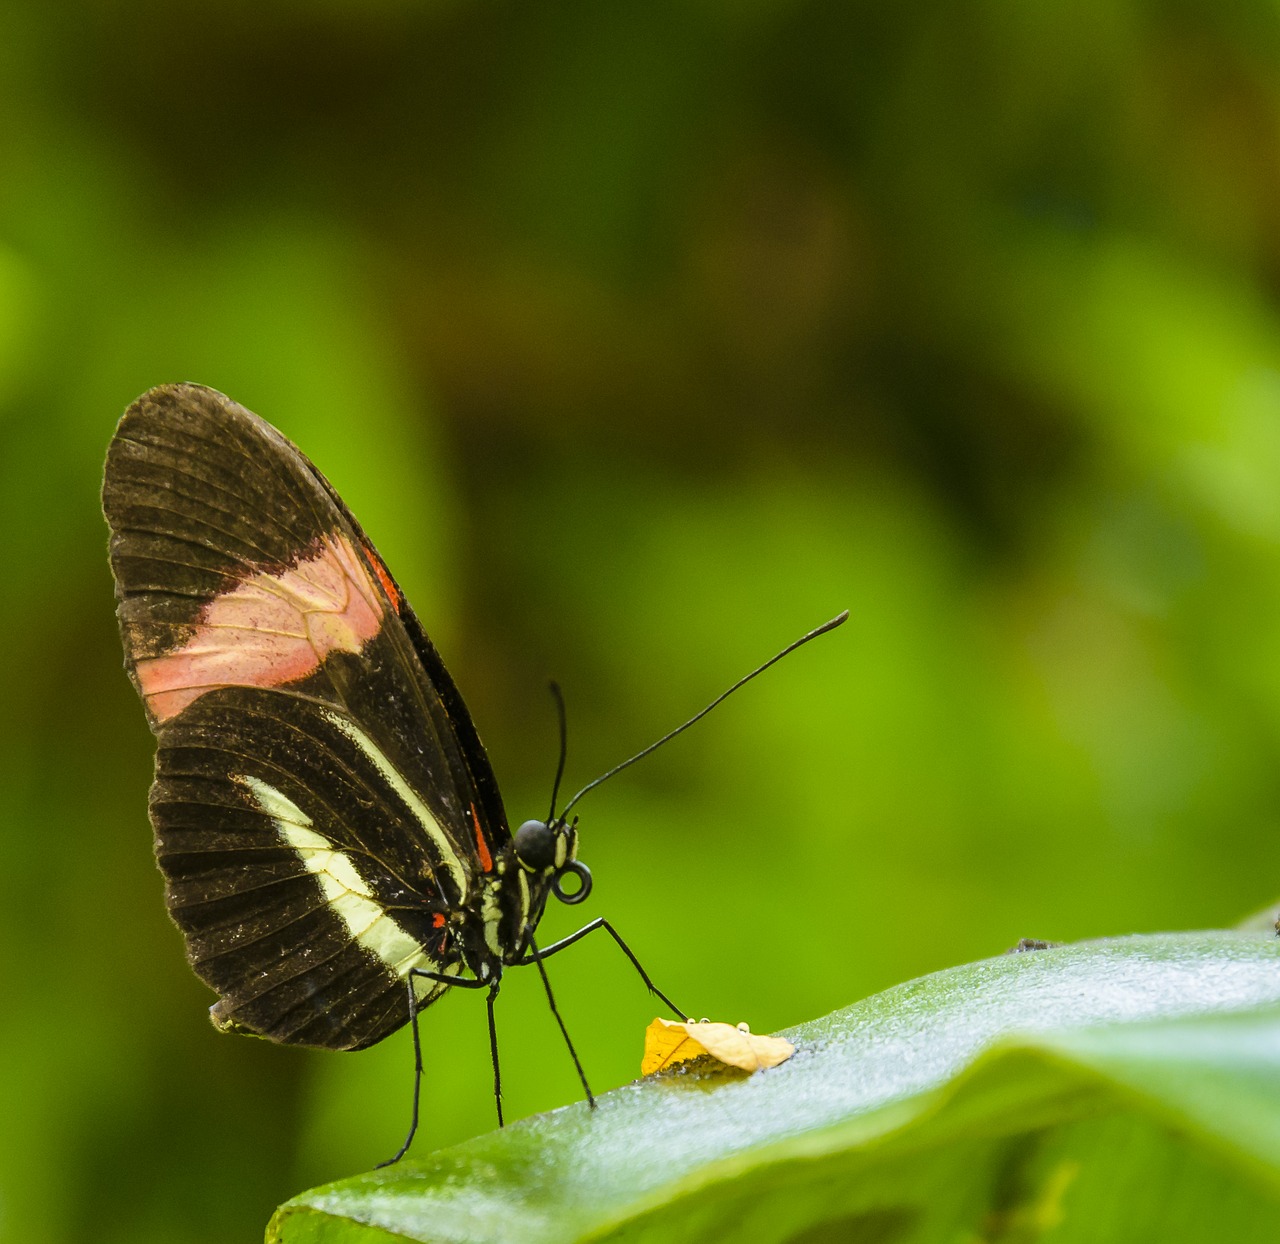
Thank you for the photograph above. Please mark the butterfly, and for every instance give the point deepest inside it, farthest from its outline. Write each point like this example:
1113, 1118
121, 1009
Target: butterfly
333, 841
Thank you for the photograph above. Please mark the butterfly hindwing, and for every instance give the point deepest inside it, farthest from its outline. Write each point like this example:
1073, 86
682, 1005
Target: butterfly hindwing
317, 771
305, 883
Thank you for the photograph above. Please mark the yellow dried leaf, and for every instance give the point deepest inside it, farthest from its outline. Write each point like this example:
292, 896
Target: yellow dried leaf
667, 1043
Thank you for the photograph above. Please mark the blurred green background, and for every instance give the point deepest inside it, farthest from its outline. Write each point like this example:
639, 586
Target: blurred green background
643, 338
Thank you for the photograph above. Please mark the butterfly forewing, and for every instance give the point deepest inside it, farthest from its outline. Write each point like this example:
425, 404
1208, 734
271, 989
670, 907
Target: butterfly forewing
321, 797
491, 819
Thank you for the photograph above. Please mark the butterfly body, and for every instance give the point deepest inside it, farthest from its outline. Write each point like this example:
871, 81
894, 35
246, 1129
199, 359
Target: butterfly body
326, 818
335, 849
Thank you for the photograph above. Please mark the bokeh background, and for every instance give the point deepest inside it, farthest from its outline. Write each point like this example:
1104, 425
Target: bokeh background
642, 338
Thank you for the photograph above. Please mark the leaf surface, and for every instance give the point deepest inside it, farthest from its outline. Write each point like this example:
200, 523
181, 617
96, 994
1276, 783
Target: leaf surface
1123, 1090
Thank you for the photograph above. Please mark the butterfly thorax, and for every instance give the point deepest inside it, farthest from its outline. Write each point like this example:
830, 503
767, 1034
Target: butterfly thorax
494, 927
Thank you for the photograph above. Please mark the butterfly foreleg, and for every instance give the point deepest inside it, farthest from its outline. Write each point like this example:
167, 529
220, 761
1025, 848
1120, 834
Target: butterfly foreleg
601, 923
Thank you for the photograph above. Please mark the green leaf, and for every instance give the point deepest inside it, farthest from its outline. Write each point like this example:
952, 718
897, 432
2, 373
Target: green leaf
1124, 1090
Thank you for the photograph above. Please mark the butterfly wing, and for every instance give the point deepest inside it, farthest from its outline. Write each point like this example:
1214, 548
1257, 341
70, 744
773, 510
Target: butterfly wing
491, 821
297, 875
322, 800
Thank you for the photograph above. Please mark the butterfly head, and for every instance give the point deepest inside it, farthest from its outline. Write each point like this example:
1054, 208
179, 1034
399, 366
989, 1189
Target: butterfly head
549, 850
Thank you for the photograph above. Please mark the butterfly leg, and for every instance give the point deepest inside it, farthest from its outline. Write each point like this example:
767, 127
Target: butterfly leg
493, 1053
536, 957
417, 1079
601, 923
465, 983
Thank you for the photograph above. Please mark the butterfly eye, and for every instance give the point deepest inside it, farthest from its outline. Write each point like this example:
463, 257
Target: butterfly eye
583, 874
535, 845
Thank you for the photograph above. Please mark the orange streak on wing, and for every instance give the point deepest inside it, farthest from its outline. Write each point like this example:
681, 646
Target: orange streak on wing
482, 847
384, 576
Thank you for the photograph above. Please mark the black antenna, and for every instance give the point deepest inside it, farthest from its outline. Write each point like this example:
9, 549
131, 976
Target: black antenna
760, 669
558, 696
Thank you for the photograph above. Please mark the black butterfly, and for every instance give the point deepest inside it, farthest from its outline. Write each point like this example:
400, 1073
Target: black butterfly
333, 840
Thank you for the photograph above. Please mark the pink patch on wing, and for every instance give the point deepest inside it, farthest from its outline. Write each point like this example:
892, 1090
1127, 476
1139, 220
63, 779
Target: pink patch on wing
270, 630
